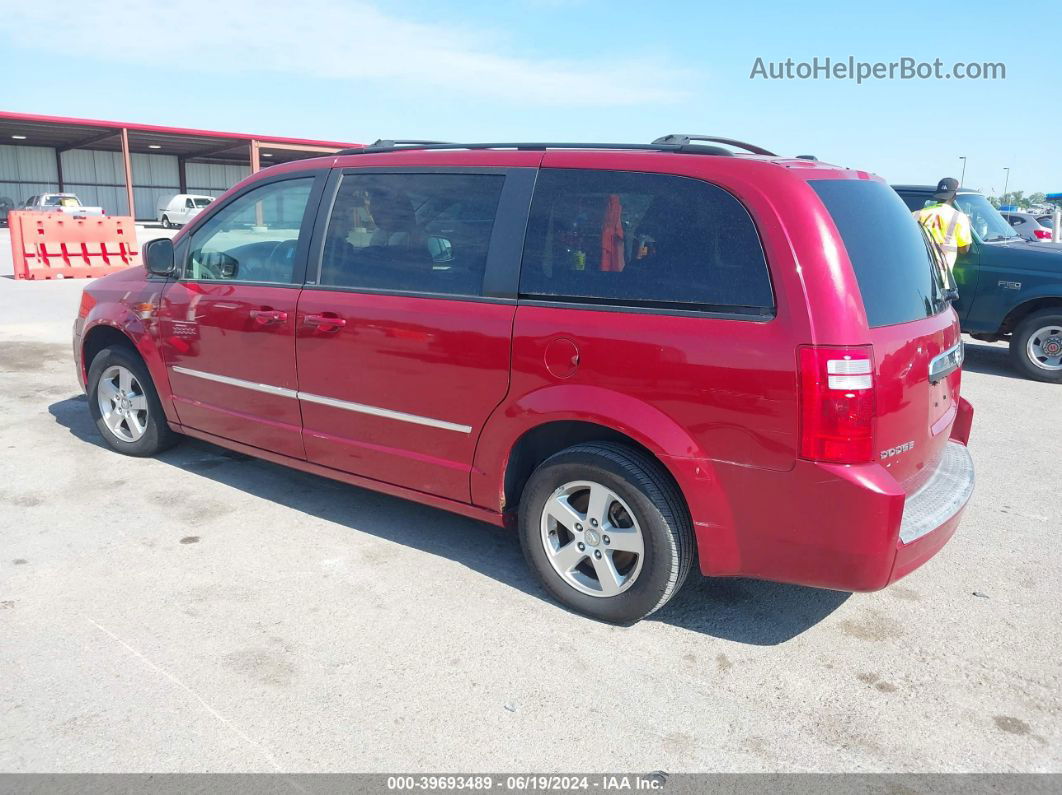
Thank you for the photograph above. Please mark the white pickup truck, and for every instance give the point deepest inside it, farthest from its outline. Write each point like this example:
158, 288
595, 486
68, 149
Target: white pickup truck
59, 203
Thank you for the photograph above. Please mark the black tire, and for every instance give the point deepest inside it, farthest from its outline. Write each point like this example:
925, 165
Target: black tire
166, 223
657, 507
157, 434
1019, 345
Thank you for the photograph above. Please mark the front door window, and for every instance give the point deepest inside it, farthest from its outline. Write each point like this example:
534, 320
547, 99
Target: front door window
254, 239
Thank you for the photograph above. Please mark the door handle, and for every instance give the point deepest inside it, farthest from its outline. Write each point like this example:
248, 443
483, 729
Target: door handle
326, 321
264, 317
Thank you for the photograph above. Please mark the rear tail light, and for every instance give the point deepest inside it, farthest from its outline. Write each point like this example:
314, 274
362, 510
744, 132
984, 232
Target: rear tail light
837, 404
1043, 234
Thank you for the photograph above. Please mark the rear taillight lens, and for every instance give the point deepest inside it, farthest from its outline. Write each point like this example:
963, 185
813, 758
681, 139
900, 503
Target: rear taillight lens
1043, 234
837, 404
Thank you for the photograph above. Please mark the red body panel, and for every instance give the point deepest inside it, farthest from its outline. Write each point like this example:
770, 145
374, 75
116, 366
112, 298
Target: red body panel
908, 411
454, 506
732, 395
431, 358
716, 400
211, 329
126, 302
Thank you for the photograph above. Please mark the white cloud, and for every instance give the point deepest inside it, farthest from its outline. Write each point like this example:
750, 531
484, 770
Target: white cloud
325, 40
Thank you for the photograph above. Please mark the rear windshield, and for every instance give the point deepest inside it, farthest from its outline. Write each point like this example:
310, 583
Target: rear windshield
887, 249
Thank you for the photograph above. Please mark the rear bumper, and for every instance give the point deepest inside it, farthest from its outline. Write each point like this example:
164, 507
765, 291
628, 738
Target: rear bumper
848, 528
942, 497
931, 515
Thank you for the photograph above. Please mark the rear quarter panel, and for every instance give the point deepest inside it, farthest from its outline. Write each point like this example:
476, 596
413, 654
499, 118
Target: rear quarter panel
709, 396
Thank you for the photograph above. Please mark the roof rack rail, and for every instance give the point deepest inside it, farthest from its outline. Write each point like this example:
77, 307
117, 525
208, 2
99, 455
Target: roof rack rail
398, 146
389, 143
682, 140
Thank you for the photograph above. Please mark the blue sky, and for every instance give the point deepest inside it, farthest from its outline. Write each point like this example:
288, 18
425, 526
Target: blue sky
556, 70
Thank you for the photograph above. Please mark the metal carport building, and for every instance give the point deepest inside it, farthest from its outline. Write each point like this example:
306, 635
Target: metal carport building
117, 164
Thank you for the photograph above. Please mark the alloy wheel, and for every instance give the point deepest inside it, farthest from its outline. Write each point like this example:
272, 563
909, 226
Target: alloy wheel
592, 538
123, 404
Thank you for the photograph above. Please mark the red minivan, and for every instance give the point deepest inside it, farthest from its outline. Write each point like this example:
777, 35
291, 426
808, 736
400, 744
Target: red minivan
637, 355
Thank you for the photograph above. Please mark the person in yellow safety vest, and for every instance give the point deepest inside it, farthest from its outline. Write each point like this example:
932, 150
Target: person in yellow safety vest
946, 225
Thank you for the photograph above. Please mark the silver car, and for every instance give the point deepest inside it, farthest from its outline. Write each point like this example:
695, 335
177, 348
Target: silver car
1027, 225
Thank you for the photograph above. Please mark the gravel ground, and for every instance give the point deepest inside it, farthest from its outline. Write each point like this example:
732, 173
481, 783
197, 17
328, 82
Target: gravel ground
204, 611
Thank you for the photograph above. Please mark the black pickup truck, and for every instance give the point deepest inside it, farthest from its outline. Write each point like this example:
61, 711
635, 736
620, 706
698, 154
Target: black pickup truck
1009, 288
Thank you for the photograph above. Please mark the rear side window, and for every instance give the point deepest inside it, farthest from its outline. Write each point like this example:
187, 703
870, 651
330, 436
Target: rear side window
642, 240
915, 202
426, 233
888, 251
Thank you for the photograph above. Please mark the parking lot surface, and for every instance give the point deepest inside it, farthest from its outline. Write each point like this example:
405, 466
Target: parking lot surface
204, 611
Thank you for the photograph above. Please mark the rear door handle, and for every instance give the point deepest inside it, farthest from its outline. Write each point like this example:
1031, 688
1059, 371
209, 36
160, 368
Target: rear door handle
266, 316
326, 321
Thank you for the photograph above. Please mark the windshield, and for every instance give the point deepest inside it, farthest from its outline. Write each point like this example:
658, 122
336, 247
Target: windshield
1046, 220
201, 203
988, 225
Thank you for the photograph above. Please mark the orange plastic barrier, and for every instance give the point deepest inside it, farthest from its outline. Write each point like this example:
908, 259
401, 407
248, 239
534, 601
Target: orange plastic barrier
56, 246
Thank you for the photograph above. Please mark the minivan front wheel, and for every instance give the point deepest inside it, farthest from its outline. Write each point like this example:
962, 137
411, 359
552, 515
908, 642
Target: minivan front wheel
606, 531
124, 404
1036, 347
166, 223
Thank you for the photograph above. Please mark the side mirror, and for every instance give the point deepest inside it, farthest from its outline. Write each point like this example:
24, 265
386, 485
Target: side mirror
158, 257
442, 250
228, 266
950, 295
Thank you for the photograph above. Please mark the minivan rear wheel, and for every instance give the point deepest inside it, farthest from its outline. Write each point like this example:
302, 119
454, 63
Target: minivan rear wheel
606, 531
1036, 347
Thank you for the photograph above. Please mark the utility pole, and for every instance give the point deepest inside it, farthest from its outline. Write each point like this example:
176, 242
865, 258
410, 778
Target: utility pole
963, 177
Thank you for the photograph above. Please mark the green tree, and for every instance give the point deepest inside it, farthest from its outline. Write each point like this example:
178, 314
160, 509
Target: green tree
1014, 198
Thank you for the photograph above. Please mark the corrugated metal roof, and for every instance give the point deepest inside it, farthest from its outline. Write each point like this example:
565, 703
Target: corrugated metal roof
26, 129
